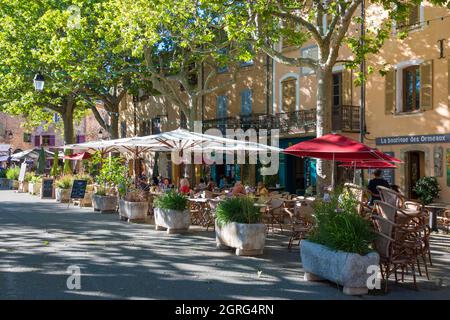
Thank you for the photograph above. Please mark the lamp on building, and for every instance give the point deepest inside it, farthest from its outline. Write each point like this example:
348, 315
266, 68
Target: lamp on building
39, 82
8, 134
100, 134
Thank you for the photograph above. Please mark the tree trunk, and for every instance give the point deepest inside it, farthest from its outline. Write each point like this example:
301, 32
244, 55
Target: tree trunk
114, 125
67, 116
323, 124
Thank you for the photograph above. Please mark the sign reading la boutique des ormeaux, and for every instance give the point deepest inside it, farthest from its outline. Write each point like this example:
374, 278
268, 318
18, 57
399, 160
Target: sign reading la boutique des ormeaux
429, 138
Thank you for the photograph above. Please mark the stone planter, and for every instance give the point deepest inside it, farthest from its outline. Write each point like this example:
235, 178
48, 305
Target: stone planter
346, 269
104, 204
173, 221
62, 195
13, 184
23, 187
133, 211
248, 239
34, 188
4, 184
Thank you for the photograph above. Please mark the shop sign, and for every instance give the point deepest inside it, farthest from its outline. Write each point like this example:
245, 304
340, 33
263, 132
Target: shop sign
417, 139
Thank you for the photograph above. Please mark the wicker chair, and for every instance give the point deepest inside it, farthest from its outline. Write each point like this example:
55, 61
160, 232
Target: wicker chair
397, 242
301, 222
274, 213
360, 194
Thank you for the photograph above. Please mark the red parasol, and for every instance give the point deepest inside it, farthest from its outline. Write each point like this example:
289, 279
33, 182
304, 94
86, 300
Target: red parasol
78, 156
368, 165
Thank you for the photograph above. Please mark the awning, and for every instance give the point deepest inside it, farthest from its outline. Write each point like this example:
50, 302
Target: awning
78, 156
368, 165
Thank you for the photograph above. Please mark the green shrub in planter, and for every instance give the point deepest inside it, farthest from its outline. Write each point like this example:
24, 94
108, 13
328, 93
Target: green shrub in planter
86, 177
340, 227
28, 176
64, 182
171, 201
36, 179
238, 209
13, 173
101, 191
427, 189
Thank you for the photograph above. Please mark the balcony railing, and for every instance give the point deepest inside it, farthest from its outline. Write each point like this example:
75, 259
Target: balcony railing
345, 118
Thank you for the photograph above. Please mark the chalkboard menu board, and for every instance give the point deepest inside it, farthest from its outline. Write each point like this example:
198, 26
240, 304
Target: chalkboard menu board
78, 189
47, 191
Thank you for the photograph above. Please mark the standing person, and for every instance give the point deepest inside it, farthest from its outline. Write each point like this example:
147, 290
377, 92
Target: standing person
374, 183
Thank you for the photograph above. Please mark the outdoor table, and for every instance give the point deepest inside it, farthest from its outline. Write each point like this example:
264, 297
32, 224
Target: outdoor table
435, 208
201, 204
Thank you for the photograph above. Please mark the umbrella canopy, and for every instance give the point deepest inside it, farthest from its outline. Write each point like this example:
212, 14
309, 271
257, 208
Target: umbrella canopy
31, 154
41, 162
336, 147
78, 156
368, 165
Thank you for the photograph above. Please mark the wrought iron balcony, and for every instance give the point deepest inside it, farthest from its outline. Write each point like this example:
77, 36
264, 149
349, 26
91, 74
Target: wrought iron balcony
345, 118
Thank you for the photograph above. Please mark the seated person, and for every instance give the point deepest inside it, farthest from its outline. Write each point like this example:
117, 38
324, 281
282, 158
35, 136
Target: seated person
202, 185
238, 189
165, 185
210, 186
185, 186
374, 183
143, 181
261, 190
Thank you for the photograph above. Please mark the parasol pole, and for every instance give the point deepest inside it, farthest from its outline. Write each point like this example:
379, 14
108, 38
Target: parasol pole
332, 174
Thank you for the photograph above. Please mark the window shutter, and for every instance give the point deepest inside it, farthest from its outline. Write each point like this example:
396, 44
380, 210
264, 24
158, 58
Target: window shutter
426, 85
448, 83
390, 93
347, 85
51, 141
37, 141
246, 102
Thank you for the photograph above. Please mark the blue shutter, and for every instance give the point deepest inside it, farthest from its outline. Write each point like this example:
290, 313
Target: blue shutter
246, 102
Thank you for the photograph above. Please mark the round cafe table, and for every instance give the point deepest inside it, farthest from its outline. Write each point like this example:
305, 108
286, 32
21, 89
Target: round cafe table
435, 208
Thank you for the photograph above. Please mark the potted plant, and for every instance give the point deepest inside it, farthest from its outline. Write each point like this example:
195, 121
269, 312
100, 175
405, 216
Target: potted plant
63, 188
427, 189
171, 212
24, 186
104, 202
12, 174
339, 247
35, 184
133, 206
4, 182
238, 225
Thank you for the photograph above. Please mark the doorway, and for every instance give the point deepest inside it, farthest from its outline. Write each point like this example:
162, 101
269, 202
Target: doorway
415, 169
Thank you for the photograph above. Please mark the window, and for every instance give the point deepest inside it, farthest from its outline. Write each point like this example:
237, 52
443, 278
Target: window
222, 111
123, 129
145, 128
337, 89
411, 89
310, 52
289, 95
48, 140
156, 125
250, 61
80, 138
246, 102
27, 137
412, 20
183, 120
37, 141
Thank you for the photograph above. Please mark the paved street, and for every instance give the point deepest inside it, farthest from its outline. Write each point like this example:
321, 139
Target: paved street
40, 239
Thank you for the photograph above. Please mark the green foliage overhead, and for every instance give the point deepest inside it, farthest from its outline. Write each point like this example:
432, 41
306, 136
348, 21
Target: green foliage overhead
238, 209
427, 189
171, 201
339, 227
113, 171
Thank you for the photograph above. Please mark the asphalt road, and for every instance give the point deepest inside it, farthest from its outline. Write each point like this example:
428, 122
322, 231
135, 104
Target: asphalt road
41, 241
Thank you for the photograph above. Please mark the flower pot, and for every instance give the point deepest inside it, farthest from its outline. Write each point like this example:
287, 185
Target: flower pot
349, 270
248, 239
133, 211
62, 195
34, 188
104, 204
174, 221
4, 184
